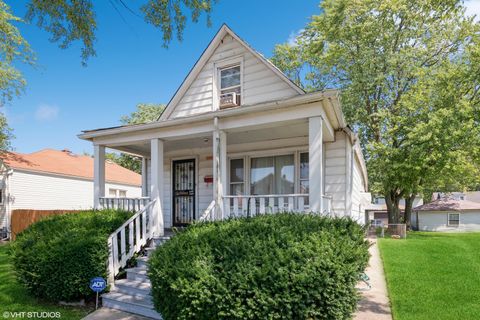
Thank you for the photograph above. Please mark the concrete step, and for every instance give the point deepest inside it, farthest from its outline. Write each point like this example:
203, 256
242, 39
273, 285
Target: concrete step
133, 287
142, 262
137, 273
141, 305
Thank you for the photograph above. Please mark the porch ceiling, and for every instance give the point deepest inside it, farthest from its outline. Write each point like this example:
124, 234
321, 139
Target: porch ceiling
288, 130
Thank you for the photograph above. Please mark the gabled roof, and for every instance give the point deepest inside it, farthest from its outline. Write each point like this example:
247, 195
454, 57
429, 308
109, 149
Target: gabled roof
448, 204
67, 164
207, 53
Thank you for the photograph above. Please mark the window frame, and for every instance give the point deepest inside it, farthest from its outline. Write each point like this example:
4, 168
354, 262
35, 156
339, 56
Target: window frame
217, 88
117, 192
230, 183
448, 219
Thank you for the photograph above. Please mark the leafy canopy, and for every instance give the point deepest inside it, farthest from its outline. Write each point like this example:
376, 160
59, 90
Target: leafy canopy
408, 74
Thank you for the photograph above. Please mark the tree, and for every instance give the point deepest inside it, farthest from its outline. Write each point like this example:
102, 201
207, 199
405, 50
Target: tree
146, 112
13, 49
408, 71
69, 21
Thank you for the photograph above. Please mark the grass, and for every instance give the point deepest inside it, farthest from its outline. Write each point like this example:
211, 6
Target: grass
15, 298
433, 275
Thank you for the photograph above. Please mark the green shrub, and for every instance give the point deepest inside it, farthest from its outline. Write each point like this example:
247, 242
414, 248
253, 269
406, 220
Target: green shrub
284, 266
55, 258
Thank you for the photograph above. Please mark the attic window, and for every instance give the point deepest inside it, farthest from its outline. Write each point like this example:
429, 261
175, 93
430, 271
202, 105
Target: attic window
230, 87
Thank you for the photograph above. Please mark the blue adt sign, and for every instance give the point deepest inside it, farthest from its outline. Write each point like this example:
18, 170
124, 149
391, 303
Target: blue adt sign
98, 284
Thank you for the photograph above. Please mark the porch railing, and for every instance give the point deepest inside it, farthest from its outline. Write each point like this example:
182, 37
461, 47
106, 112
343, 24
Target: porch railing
130, 238
251, 205
128, 204
208, 214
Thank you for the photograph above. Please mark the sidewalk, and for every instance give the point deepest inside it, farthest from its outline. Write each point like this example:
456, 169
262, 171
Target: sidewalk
374, 304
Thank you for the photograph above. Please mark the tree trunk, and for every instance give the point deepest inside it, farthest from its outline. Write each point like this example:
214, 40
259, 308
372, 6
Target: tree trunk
408, 209
392, 200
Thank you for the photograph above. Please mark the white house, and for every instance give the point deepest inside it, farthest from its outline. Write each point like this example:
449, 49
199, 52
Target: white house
239, 129
52, 179
448, 213
238, 138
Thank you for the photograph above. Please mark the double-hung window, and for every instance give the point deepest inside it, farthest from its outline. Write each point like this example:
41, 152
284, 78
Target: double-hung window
237, 182
230, 82
453, 219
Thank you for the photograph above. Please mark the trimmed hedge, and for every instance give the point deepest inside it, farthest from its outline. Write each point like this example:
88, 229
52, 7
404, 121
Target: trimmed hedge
55, 258
283, 266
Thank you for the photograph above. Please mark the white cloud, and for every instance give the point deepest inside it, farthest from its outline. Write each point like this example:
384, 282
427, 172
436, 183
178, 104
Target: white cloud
46, 112
473, 8
292, 38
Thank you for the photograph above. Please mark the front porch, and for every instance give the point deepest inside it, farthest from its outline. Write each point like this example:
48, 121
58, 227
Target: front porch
226, 168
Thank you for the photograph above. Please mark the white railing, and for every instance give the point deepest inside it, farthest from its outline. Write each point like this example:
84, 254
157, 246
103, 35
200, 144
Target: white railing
251, 205
128, 204
130, 238
209, 213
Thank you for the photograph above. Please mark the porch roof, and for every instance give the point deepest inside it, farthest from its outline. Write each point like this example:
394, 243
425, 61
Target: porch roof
334, 114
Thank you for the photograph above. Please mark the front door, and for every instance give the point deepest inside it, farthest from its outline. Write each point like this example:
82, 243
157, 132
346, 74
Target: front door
183, 192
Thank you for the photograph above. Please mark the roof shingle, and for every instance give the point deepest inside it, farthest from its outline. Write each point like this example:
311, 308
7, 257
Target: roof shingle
68, 164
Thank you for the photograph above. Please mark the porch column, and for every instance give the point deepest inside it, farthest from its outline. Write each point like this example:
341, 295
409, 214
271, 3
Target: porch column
315, 163
156, 185
98, 175
144, 177
219, 170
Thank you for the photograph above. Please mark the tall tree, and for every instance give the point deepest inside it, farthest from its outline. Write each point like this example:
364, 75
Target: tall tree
71, 21
409, 80
13, 49
145, 112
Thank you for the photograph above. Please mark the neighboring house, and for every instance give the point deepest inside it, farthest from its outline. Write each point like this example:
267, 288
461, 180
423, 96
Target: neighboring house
52, 179
447, 214
467, 195
376, 213
238, 138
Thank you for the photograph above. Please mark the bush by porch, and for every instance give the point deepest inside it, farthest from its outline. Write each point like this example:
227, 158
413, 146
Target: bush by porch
55, 258
271, 266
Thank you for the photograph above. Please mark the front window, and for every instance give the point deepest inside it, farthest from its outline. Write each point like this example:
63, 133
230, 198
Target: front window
272, 175
453, 219
230, 82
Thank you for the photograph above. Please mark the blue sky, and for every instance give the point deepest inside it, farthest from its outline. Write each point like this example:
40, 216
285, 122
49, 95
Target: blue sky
62, 97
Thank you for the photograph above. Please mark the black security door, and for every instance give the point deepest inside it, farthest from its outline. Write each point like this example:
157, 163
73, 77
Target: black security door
183, 192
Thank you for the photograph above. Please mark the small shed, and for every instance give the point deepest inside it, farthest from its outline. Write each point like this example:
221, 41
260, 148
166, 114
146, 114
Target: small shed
447, 214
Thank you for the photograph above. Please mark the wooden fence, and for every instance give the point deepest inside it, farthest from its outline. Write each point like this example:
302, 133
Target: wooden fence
22, 218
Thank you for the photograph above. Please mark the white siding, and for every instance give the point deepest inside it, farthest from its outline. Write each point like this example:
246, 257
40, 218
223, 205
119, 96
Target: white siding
45, 192
358, 190
260, 84
437, 221
335, 172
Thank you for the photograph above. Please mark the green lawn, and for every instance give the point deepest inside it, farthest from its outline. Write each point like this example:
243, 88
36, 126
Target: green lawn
14, 298
433, 275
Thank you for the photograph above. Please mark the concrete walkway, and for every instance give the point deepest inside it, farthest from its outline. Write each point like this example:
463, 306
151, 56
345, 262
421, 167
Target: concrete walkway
374, 304
112, 314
